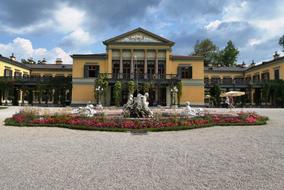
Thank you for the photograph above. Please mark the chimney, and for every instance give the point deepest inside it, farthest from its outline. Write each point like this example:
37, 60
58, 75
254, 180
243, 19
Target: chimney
243, 64
43, 61
276, 55
12, 57
58, 61
252, 63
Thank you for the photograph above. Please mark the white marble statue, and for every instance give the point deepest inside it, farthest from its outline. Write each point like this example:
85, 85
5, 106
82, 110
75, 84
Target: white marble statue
88, 111
189, 111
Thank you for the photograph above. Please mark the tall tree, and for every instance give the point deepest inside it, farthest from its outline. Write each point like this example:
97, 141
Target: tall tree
229, 54
207, 49
281, 42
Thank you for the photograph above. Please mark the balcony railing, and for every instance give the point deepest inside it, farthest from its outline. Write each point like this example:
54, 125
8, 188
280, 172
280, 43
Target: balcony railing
35, 80
127, 76
232, 82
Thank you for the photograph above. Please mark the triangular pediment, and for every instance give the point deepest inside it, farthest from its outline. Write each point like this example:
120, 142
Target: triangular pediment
139, 35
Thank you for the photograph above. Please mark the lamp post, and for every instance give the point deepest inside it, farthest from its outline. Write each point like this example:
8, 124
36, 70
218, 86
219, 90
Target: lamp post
99, 89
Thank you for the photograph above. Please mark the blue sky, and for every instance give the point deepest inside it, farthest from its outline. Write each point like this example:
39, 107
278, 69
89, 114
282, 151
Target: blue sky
54, 28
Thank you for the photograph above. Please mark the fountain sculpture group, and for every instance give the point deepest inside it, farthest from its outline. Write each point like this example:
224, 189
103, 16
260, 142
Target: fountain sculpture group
137, 107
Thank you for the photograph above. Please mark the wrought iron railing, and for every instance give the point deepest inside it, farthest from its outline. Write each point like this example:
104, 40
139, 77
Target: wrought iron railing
148, 76
209, 82
34, 80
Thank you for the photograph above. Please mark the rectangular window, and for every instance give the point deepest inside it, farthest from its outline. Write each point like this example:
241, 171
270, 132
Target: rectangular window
215, 80
227, 80
17, 74
276, 74
255, 78
248, 78
91, 71
265, 76
161, 67
115, 68
150, 68
8, 73
126, 69
186, 72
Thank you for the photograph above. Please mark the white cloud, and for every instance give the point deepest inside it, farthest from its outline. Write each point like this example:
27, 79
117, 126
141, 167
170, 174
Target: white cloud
78, 38
213, 25
254, 42
23, 49
68, 18
65, 20
70, 21
273, 27
41, 26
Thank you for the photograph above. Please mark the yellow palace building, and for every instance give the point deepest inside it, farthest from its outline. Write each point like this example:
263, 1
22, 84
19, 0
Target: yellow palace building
143, 57
139, 56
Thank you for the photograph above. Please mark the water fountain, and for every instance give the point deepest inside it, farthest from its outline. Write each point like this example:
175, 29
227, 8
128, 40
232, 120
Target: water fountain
137, 107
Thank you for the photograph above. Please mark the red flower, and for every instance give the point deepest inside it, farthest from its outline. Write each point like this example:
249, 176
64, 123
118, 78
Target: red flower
19, 118
251, 119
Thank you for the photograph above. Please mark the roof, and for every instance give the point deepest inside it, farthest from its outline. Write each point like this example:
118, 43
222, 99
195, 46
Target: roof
164, 40
50, 66
225, 69
96, 56
12, 62
266, 63
185, 57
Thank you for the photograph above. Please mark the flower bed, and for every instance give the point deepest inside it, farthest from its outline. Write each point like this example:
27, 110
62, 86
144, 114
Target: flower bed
157, 123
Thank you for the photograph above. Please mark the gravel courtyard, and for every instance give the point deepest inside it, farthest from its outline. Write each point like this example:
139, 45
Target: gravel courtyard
250, 157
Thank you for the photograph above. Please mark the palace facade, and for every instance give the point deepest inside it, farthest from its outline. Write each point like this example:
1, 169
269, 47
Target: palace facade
139, 56
142, 57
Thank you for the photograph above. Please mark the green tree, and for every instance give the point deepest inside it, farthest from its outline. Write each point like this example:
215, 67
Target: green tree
146, 87
281, 42
215, 93
131, 87
207, 49
117, 93
103, 82
229, 54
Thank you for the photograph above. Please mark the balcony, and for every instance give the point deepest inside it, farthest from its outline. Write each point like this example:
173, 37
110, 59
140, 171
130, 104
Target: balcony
30, 81
229, 82
128, 76
157, 78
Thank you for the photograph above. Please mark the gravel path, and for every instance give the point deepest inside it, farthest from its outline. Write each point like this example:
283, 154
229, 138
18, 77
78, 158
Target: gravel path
250, 157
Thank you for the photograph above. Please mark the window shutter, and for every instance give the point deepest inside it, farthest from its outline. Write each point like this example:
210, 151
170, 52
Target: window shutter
97, 67
86, 71
179, 72
190, 72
